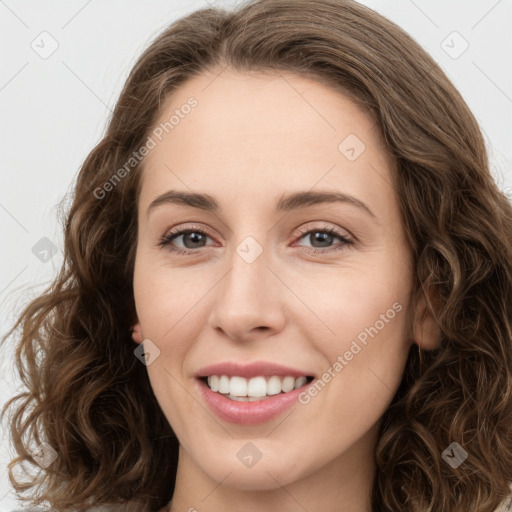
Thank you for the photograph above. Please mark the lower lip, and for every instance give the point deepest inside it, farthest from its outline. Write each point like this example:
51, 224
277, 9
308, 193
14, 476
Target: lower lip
249, 412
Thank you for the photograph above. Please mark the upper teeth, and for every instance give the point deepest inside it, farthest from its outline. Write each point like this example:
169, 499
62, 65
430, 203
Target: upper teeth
254, 387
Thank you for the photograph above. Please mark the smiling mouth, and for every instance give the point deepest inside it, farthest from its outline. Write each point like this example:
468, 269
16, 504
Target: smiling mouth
254, 389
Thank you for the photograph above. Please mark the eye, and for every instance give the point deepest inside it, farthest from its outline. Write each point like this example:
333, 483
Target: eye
324, 237
194, 238
191, 235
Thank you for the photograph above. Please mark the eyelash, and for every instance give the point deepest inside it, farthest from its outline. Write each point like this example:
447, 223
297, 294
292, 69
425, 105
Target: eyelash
166, 240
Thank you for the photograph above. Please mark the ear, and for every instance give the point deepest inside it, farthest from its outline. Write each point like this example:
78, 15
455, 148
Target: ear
137, 333
426, 332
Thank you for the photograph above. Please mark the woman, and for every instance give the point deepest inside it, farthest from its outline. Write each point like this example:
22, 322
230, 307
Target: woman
287, 282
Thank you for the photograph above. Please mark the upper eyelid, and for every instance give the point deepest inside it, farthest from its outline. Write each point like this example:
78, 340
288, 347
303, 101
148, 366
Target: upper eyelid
302, 231
307, 228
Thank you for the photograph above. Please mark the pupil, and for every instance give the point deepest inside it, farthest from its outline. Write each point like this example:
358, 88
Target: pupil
196, 237
322, 237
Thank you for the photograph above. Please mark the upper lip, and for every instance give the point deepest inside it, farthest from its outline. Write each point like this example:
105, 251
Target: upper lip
250, 370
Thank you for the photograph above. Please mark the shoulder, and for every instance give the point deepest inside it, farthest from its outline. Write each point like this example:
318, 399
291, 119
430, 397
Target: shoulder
506, 505
135, 506
127, 507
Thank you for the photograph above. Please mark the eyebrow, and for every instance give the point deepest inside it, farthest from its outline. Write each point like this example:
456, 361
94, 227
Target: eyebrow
285, 203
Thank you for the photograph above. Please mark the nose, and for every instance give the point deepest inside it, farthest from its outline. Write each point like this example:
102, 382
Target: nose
247, 303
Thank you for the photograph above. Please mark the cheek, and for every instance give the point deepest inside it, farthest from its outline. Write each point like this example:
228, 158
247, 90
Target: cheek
167, 298
350, 302
365, 368
366, 347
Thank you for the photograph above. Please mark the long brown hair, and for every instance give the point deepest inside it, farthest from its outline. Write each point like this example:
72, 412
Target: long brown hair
90, 398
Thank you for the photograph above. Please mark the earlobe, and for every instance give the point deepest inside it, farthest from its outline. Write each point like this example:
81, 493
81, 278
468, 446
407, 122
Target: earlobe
136, 333
426, 332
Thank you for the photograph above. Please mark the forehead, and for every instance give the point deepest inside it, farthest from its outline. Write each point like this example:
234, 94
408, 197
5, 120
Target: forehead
266, 133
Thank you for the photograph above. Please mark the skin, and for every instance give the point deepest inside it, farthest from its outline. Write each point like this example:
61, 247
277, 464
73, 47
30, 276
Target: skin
252, 138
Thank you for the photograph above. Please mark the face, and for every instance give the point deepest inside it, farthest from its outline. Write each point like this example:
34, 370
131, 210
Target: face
293, 275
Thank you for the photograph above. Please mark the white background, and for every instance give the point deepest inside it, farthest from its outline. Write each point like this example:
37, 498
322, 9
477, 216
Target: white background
54, 110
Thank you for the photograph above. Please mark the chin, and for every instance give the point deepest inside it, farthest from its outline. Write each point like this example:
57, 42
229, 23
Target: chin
255, 479
264, 475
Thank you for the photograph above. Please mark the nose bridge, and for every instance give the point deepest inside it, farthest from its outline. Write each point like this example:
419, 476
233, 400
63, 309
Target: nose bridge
249, 262
246, 299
